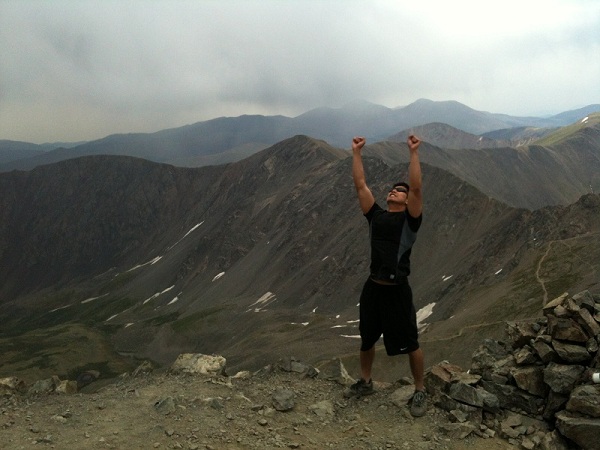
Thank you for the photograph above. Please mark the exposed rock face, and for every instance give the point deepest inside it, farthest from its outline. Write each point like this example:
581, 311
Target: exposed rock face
537, 381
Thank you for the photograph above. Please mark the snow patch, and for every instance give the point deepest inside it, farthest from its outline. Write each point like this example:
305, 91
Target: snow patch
424, 313
62, 307
91, 299
446, 278
186, 234
217, 276
157, 294
498, 272
263, 301
151, 262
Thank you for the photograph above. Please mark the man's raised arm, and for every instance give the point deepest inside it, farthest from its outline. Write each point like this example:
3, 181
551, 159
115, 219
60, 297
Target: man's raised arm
415, 194
365, 197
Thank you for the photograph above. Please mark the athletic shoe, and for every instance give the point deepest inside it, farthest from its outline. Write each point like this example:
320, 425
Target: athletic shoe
418, 405
359, 389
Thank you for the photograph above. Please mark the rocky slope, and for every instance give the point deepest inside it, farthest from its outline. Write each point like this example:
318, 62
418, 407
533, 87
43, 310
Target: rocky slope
532, 391
256, 259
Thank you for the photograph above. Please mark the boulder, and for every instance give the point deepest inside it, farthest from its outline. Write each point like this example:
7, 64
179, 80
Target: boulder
585, 432
198, 363
585, 400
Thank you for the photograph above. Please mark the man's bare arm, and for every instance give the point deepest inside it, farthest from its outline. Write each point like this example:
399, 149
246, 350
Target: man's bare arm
415, 194
365, 197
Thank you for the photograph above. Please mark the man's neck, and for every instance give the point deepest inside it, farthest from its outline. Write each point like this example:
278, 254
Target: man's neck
394, 207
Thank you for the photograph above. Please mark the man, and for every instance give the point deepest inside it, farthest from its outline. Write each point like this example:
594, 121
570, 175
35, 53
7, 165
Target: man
386, 305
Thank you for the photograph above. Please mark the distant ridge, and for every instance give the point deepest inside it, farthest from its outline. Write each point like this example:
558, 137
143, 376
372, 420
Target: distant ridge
235, 137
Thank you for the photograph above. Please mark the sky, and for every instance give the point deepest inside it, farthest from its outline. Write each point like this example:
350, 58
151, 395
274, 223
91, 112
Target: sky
81, 69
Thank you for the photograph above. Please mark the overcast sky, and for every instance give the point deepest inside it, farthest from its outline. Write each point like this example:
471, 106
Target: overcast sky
81, 70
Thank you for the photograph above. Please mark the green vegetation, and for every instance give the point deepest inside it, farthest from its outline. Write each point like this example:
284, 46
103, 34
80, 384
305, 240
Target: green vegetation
565, 132
60, 350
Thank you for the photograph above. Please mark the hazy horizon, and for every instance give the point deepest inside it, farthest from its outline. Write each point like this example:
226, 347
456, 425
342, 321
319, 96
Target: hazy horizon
79, 71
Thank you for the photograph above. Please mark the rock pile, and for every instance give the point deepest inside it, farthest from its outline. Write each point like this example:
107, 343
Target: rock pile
536, 389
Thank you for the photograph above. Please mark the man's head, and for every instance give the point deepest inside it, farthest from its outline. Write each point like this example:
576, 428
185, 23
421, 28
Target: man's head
398, 194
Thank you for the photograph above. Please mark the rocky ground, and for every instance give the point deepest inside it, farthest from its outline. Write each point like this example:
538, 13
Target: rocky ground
182, 411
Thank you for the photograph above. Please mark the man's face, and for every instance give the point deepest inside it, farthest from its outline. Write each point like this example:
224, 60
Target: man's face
397, 194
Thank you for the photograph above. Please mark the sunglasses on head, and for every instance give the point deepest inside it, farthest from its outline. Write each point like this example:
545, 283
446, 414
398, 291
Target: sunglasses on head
399, 189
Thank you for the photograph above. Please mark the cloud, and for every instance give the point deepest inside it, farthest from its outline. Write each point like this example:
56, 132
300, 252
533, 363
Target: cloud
85, 69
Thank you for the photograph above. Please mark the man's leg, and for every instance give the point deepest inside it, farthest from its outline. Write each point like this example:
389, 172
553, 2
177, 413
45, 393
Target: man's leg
364, 386
366, 363
417, 367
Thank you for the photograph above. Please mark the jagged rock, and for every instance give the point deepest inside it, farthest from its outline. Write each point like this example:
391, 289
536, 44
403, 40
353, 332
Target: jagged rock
242, 375
554, 403
562, 378
566, 330
531, 379
585, 300
488, 355
571, 353
585, 432
513, 398
592, 346
585, 400
490, 401
588, 323
13, 384
458, 430
561, 312
334, 370
197, 363
144, 368
44, 386
323, 408
545, 352
548, 307
292, 364
438, 378
553, 441
67, 387
525, 356
402, 395
283, 399
521, 333
466, 378
165, 406
465, 394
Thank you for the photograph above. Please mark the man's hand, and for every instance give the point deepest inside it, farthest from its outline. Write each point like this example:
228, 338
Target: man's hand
357, 143
413, 143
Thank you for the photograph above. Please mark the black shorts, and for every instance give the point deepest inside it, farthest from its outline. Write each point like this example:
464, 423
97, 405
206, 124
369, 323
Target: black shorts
388, 310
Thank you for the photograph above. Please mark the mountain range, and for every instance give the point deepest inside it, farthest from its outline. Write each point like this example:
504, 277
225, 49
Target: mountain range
228, 139
106, 259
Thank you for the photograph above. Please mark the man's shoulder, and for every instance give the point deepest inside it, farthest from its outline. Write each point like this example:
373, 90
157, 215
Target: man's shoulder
375, 210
